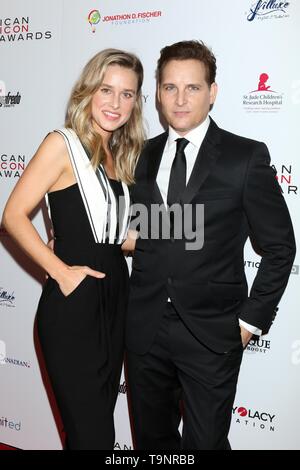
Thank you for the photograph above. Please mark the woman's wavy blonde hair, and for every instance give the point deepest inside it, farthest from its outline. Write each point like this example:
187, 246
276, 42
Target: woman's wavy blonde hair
126, 142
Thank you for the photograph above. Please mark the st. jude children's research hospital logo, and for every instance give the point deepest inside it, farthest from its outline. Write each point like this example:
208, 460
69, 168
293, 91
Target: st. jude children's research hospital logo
264, 99
267, 10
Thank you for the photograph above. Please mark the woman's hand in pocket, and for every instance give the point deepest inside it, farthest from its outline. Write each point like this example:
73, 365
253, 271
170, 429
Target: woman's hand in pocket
72, 276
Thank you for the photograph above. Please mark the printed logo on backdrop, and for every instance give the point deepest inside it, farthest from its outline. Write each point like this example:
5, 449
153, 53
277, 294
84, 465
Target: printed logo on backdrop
119, 446
12, 166
122, 18
11, 424
251, 418
8, 99
11, 361
258, 346
268, 10
7, 298
248, 265
264, 99
295, 269
285, 177
19, 29
123, 388
94, 18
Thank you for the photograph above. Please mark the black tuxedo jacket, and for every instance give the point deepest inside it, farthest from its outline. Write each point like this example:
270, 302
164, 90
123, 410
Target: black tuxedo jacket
233, 179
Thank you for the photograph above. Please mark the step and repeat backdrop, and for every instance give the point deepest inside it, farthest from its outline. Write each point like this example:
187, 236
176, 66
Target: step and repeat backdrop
43, 47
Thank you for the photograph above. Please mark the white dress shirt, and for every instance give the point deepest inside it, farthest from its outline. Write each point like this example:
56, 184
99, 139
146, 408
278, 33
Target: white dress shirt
195, 138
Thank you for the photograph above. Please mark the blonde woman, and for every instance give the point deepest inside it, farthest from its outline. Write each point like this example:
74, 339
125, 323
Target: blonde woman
84, 170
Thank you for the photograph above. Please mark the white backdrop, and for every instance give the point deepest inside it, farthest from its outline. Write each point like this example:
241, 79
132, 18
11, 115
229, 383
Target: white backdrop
43, 47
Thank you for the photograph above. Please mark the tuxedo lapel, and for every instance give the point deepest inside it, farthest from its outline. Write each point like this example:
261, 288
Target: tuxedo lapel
206, 158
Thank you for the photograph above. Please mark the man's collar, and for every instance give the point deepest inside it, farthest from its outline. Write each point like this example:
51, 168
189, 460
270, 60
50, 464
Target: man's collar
195, 136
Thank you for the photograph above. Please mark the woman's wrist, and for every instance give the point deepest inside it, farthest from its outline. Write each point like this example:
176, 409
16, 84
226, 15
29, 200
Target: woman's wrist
58, 271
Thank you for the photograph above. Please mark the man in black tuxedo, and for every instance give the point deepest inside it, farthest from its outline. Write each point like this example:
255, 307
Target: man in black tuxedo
190, 315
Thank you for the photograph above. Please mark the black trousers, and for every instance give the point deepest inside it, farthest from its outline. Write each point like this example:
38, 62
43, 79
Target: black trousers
179, 374
82, 338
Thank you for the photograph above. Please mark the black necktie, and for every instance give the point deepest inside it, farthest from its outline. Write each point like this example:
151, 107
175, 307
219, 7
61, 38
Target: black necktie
177, 182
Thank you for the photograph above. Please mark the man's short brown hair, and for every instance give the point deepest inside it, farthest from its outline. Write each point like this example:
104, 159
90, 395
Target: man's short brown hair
185, 50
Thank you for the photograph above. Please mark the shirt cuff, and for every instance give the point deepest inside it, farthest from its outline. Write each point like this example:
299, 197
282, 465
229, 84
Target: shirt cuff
251, 328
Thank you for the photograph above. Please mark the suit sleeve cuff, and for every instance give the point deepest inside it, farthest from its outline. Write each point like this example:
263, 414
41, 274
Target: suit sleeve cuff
251, 328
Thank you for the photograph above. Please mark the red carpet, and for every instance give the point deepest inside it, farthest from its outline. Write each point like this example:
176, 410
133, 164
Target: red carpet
5, 447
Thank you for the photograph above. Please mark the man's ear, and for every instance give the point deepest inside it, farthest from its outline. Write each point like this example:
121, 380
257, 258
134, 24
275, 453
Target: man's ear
213, 92
158, 92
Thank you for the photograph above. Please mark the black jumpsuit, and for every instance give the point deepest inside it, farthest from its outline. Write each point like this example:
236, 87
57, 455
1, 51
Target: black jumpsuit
82, 335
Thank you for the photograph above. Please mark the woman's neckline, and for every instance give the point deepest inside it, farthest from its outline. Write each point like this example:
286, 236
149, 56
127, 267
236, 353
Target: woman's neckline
63, 189
113, 179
